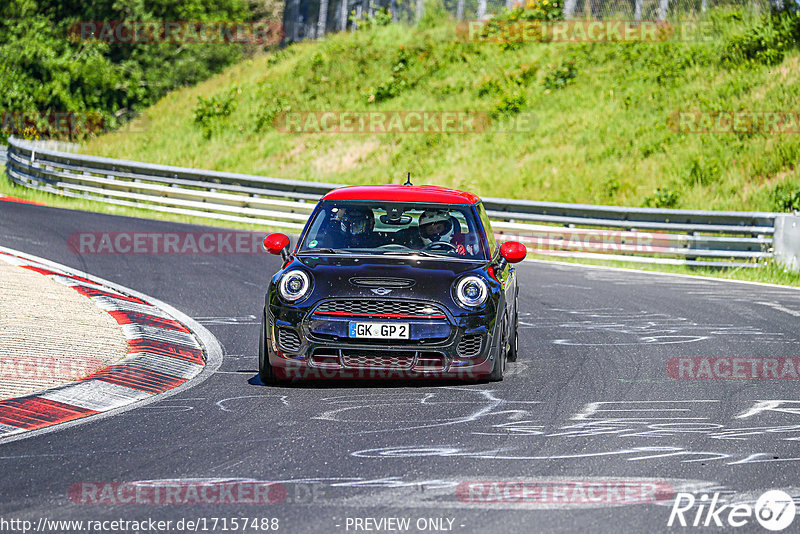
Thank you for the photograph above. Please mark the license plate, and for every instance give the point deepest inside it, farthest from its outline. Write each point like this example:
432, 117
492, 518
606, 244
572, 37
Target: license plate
379, 330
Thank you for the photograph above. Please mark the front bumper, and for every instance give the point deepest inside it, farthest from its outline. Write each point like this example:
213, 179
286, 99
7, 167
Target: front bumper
303, 345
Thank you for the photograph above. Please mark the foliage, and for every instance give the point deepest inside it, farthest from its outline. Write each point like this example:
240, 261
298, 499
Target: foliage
595, 131
511, 28
786, 197
380, 17
560, 76
210, 113
663, 197
435, 13
44, 67
765, 42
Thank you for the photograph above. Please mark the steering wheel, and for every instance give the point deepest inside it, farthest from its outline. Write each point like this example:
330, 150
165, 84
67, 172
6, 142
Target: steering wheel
434, 244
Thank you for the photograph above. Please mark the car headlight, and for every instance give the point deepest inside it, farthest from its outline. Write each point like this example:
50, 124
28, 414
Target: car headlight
294, 285
471, 291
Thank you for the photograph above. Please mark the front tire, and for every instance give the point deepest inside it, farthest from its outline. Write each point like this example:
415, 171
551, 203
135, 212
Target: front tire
514, 350
265, 371
502, 350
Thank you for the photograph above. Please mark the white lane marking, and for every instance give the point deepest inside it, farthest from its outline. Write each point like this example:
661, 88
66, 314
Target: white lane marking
593, 408
221, 404
776, 306
247, 319
7, 429
96, 395
771, 406
485, 407
649, 340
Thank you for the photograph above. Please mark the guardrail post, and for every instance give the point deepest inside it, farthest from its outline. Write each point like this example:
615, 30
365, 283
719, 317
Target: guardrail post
787, 241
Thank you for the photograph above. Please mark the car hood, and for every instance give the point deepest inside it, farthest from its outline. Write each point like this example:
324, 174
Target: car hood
432, 278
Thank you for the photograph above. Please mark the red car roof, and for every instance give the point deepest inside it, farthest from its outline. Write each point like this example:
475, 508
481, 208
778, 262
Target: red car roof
403, 193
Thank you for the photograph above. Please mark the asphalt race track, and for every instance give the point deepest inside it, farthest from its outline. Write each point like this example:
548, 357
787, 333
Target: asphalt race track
590, 400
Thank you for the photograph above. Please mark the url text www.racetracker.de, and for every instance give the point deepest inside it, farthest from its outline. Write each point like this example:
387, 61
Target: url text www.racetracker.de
147, 525
224, 524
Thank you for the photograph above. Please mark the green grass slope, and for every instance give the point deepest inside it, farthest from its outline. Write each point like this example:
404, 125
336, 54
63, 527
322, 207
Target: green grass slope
600, 116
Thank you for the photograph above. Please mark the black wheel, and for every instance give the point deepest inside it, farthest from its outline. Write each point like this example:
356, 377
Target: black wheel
502, 351
265, 371
514, 341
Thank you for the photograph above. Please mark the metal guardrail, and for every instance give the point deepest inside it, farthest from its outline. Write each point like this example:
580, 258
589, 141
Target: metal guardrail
3, 156
578, 230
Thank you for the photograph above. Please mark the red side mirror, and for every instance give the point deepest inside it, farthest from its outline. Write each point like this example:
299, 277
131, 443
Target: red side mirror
513, 252
275, 243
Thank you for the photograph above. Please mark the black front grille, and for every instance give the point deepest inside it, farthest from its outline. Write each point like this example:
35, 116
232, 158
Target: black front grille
470, 345
415, 361
387, 361
324, 357
288, 340
379, 307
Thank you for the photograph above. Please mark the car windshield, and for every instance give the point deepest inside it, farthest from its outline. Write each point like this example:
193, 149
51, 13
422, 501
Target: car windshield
348, 227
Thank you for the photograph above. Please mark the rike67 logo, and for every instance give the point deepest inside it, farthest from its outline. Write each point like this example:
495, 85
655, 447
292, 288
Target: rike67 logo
774, 510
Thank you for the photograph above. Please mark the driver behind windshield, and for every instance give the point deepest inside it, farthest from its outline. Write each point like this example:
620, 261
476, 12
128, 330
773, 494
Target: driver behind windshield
354, 229
436, 226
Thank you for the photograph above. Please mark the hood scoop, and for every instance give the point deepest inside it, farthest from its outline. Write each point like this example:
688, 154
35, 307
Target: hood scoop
388, 283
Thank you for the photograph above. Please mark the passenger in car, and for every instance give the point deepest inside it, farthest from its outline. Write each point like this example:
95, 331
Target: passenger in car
438, 226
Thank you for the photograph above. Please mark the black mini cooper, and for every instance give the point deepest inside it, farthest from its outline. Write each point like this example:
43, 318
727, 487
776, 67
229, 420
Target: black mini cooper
391, 282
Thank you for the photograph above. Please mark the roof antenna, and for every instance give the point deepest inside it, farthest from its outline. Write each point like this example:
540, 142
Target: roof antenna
408, 180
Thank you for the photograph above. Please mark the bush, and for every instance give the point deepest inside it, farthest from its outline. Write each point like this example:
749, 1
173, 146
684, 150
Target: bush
663, 197
380, 17
542, 10
701, 172
210, 113
766, 42
560, 76
510, 103
397, 81
265, 116
45, 67
786, 197
435, 13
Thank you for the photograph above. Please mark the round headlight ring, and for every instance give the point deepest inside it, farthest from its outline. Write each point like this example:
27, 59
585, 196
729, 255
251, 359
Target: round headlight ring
471, 291
294, 285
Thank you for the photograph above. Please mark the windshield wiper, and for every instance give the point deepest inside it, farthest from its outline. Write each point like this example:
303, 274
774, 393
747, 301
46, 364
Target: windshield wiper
323, 250
410, 252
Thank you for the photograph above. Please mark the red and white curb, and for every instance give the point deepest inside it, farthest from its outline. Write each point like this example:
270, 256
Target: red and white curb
7, 198
166, 350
